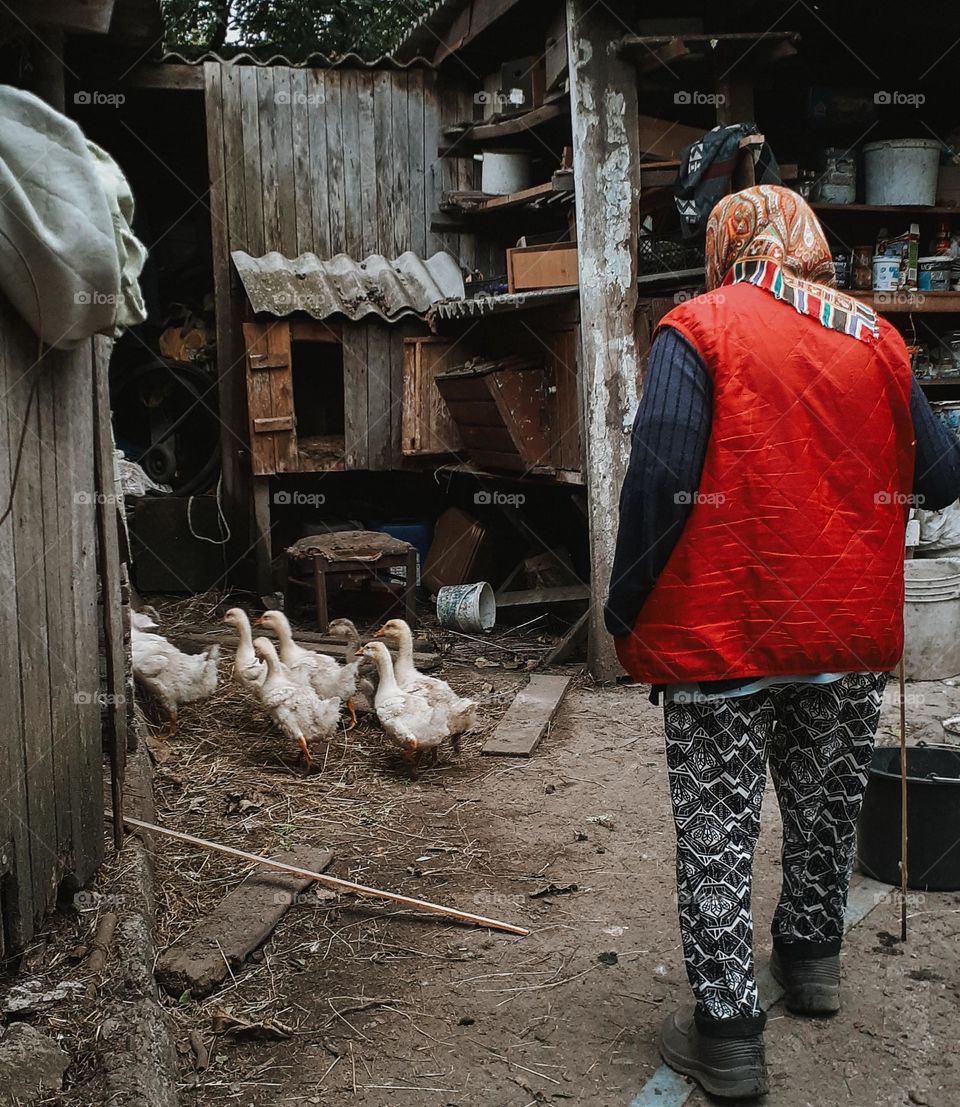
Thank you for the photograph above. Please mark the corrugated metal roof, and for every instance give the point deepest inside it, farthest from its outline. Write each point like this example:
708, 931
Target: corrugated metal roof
315, 60
408, 285
477, 306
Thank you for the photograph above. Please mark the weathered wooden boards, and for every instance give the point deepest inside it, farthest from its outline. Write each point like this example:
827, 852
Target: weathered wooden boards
606, 161
108, 565
51, 821
240, 923
528, 717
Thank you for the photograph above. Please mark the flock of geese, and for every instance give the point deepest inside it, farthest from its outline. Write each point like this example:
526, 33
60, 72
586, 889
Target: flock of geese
302, 690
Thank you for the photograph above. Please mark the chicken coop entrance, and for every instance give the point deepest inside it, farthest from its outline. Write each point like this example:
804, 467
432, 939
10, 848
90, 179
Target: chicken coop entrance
295, 396
318, 400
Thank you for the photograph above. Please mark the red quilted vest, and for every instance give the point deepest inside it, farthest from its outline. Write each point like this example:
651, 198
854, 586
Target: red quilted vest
791, 561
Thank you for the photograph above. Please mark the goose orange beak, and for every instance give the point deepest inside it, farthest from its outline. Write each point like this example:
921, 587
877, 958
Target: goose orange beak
381, 633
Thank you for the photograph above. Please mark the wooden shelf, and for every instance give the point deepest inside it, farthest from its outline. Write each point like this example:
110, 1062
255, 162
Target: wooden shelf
481, 203
903, 303
952, 382
887, 209
515, 126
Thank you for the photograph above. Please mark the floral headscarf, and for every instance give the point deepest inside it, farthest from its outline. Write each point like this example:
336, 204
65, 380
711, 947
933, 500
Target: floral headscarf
769, 236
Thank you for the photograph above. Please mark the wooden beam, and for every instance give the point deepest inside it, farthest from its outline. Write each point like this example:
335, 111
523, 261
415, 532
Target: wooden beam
528, 718
472, 21
171, 75
92, 16
560, 593
606, 166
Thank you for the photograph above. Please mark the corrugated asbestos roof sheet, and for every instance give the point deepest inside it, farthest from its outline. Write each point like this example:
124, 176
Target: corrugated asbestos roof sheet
315, 60
342, 286
477, 306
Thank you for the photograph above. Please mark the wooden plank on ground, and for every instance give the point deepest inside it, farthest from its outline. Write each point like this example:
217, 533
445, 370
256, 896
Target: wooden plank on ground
239, 924
528, 717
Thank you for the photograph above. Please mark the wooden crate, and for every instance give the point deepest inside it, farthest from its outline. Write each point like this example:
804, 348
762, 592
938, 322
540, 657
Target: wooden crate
428, 428
501, 408
551, 266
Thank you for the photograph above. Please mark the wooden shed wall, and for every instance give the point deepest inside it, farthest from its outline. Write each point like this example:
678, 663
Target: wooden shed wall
51, 814
330, 161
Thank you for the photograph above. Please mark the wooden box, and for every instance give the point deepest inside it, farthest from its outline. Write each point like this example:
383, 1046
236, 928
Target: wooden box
501, 409
550, 266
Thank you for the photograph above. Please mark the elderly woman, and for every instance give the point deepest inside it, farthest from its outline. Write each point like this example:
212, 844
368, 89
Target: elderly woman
758, 586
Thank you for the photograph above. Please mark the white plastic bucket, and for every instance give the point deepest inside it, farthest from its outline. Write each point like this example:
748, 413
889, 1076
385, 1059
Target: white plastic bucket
901, 171
931, 618
467, 606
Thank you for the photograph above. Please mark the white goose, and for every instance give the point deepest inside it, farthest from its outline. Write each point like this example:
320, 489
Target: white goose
356, 690
319, 671
248, 669
409, 719
462, 713
296, 709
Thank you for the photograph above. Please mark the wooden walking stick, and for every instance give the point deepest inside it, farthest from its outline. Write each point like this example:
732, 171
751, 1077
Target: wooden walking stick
330, 881
903, 804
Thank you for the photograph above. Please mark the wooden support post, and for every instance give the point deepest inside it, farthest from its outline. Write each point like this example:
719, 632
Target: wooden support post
263, 551
606, 159
108, 557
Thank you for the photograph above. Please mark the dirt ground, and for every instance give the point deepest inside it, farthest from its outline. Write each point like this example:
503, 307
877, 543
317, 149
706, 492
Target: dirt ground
386, 1007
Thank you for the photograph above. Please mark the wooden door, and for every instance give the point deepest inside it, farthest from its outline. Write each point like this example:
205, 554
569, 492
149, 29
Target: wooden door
427, 425
272, 422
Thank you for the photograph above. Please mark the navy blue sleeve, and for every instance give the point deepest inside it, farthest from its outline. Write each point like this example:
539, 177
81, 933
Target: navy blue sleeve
670, 436
936, 474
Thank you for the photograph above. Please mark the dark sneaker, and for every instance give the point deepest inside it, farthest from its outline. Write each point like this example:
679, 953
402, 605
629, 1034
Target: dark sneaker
731, 1068
811, 986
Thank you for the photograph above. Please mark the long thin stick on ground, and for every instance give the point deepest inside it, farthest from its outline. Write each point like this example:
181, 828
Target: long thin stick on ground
903, 804
329, 881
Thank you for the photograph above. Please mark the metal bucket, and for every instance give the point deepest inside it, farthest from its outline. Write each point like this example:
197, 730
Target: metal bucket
467, 606
902, 171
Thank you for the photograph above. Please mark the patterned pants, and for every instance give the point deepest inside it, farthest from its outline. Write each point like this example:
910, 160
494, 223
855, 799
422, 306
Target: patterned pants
819, 738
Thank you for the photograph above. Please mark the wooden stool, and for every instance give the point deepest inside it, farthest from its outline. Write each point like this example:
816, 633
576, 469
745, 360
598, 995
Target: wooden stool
354, 552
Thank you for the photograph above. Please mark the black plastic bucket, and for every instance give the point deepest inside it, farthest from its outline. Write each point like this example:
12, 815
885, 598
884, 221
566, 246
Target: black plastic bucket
933, 818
